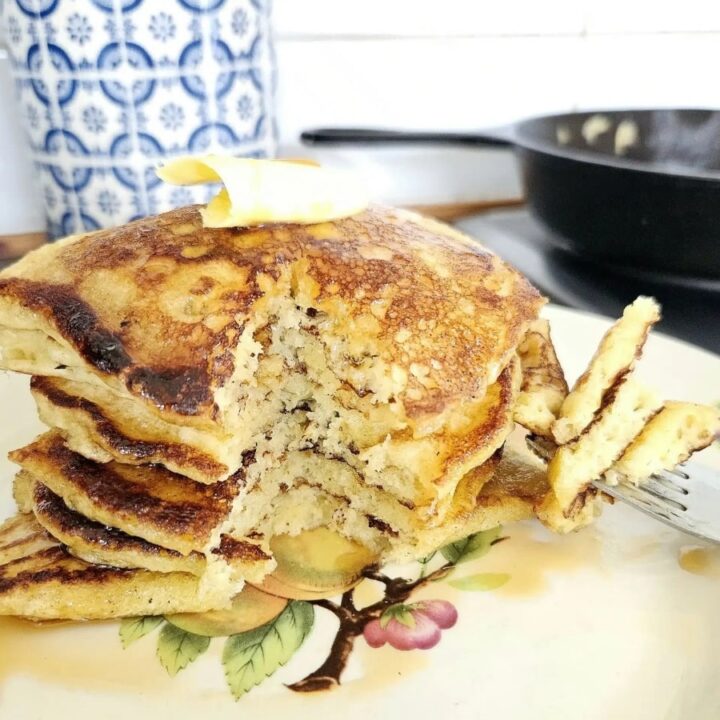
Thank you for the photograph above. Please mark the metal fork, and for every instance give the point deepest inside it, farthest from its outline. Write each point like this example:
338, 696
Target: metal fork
686, 497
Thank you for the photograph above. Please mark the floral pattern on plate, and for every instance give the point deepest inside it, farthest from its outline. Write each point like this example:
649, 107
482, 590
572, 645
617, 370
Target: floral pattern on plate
251, 656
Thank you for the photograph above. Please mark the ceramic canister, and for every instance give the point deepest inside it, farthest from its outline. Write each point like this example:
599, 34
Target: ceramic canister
109, 89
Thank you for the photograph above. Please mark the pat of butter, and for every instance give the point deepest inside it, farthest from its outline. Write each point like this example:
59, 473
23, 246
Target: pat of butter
256, 192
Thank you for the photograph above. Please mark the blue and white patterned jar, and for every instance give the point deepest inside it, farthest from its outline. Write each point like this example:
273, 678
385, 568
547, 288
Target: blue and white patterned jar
109, 89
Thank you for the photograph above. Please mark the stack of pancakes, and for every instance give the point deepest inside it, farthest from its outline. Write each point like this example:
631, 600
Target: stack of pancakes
209, 390
223, 401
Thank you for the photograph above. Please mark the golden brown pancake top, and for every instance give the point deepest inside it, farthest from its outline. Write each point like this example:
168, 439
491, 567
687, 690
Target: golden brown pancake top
160, 303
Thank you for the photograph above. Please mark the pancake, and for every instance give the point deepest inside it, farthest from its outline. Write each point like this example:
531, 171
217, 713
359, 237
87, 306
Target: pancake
669, 438
98, 543
384, 323
574, 466
615, 358
543, 387
511, 488
553, 516
39, 579
20, 537
126, 434
147, 502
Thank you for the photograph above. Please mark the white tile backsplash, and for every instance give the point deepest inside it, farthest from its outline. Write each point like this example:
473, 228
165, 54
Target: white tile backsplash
462, 18
423, 83
650, 71
450, 18
659, 16
456, 64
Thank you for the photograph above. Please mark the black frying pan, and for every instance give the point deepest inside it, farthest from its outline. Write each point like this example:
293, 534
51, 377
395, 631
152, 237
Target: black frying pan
638, 188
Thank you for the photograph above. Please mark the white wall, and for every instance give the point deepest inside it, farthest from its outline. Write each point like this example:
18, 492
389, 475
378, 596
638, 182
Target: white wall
474, 63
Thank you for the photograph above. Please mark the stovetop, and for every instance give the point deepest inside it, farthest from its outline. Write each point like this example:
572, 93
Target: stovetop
691, 308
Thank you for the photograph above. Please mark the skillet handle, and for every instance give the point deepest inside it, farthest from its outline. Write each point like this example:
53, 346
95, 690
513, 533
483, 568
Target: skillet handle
352, 136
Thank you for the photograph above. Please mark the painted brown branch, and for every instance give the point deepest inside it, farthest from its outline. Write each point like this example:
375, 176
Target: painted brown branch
352, 622
347, 602
327, 676
338, 610
374, 574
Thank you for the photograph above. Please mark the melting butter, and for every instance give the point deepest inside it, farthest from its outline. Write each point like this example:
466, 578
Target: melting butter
258, 192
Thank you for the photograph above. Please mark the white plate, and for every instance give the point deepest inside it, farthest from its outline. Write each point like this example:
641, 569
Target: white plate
601, 624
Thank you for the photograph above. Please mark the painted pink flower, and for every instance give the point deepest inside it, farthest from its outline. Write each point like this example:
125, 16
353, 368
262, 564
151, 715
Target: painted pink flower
411, 627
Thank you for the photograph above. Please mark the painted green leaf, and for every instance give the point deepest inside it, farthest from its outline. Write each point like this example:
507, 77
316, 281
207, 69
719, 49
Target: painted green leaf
177, 649
252, 656
480, 582
132, 629
471, 547
398, 612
